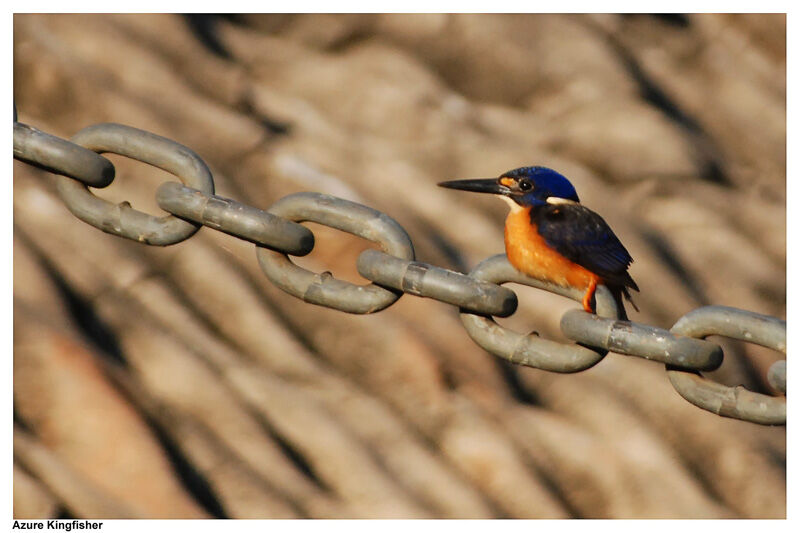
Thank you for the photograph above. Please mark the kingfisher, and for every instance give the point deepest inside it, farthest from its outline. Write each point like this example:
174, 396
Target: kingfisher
550, 236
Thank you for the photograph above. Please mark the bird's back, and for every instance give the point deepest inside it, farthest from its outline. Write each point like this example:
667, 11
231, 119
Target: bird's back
583, 237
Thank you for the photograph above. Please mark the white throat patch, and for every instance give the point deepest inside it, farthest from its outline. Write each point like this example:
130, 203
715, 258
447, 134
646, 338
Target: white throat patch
514, 205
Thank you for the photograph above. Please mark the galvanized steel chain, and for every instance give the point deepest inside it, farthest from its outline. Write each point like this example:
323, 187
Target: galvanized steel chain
392, 271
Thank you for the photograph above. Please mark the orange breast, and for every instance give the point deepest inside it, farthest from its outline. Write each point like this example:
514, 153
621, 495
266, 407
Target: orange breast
529, 253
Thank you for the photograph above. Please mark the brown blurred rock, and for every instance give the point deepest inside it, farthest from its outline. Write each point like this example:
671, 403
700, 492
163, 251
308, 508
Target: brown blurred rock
61, 394
78, 495
32, 501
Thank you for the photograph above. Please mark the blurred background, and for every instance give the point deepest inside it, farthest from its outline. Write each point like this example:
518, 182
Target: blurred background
178, 382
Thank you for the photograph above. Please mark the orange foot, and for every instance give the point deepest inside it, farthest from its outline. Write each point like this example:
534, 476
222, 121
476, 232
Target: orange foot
587, 298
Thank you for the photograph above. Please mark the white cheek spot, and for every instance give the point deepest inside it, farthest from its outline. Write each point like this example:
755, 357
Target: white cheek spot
514, 205
555, 201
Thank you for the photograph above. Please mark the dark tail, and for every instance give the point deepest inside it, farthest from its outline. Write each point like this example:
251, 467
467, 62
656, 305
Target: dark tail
620, 291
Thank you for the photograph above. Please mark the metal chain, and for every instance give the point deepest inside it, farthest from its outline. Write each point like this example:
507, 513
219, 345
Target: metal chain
324, 289
277, 234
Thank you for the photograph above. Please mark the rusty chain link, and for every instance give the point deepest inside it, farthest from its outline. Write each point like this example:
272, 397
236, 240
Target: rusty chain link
277, 234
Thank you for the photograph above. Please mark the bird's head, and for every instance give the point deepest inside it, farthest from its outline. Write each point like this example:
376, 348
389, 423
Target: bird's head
526, 187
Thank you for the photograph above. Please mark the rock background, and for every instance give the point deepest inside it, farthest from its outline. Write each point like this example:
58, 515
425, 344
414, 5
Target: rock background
177, 382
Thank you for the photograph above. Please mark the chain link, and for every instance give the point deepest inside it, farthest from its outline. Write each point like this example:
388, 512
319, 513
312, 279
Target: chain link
277, 234
61, 157
734, 402
776, 376
641, 340
324, 289
234, 218
428, 281
122, 219
532, 350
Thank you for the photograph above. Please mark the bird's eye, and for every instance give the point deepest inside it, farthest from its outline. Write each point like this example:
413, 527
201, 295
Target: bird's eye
525, 185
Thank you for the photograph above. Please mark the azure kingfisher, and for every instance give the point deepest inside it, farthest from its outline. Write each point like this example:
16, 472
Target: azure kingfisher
550, 236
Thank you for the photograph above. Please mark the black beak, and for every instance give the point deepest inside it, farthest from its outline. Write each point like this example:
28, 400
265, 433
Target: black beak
478, 185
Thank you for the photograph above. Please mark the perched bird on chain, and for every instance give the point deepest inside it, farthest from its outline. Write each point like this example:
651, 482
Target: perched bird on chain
550, 236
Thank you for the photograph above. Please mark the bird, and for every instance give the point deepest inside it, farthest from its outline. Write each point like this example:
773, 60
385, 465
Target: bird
551, 236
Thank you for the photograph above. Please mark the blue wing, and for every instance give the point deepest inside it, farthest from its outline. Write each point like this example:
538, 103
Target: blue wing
583, 237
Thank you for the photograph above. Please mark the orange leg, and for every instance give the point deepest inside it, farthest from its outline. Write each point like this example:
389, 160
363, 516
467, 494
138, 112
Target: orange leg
587, 298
